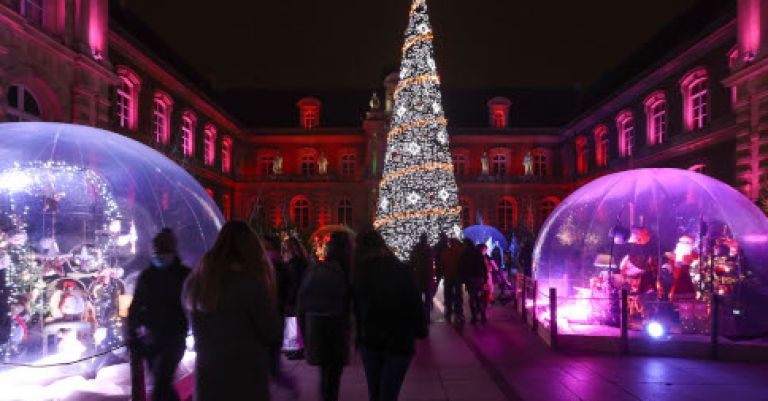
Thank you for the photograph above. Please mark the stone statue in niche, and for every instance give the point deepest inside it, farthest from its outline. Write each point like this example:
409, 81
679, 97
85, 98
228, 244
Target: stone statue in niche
484, 161
277, 164
322, 164
528, 164
375, 102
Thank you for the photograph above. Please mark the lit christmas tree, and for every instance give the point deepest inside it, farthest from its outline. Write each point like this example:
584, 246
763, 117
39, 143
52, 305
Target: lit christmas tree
417, 193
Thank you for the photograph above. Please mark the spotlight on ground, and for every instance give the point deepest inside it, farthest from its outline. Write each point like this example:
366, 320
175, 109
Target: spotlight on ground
655, 329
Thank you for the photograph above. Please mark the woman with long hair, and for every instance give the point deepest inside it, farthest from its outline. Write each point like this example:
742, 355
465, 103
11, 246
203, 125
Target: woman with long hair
389, 315
297, 262
230, 298
323, 305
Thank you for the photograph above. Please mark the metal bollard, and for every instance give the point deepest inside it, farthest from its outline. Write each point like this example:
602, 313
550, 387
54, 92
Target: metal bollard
714, 329
624, 322
553, 318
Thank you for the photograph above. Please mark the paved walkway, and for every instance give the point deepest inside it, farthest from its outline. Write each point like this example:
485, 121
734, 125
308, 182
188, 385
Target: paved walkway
503, 361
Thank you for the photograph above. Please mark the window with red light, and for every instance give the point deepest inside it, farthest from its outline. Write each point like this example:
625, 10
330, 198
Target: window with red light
127, 98
188, 126
32, 11
300, 212
348, 165
344, 212
226, 203
466, 212
266, 163
308, 164
459, 164
209, 144
506, 212
547, 206
310, 119
625, 124
695, 89
582, 155
499, 165
226, 155
499, 119
540, 160
656, 118
161, 118
601, 146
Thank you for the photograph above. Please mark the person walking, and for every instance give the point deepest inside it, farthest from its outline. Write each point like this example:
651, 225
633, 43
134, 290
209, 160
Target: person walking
389, 316
423, 263
231, 298
157, 326
297, 260
324, 307
474, 275
453, 294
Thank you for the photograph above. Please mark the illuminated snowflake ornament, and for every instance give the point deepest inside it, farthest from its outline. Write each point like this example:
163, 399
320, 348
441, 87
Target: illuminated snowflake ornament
417, 193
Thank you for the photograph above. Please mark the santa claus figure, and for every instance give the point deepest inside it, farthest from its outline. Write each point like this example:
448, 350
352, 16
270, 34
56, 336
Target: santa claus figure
682, 284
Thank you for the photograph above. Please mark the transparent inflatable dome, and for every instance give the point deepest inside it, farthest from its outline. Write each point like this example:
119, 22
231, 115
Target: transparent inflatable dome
79, 207
666, 236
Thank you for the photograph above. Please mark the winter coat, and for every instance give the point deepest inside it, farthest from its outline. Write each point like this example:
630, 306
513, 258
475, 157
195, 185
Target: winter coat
450, 259
388, 309
232, 342
472, 265
296, 268
156, 307
422, 261
323, 304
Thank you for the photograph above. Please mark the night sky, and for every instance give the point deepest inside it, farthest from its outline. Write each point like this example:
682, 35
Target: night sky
350, 44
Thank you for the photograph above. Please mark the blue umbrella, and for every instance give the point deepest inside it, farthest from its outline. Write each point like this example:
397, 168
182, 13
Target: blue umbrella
482, 234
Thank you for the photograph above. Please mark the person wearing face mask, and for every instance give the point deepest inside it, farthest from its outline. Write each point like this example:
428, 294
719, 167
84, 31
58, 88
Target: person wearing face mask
157, 325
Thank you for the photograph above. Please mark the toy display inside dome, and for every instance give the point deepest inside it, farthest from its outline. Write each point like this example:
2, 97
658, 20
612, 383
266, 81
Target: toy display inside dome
671, 238
78, 209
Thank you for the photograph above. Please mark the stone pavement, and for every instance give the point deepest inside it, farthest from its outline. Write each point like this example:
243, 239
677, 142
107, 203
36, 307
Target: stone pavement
503, 361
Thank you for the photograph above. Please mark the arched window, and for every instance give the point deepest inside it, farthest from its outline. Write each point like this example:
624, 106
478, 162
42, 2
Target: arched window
695, 89
625, 125
300, 212
309, 109
209, 144
506, 212
128, 98
161, 118
188, 126
308, 163
466, 212
226, 154
601, 146
258, 211
32, 10
344, 212
540, 162
22, 105
348, 164
582, 155
499, 119
499, 164
656, 117
547, 206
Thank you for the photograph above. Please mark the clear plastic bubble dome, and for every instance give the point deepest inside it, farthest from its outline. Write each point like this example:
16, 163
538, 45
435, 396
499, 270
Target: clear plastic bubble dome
664, 235
79, 207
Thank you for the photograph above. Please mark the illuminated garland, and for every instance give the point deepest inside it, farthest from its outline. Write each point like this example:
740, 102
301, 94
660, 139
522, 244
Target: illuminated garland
417, 213
416, 169
418, 193
415, 124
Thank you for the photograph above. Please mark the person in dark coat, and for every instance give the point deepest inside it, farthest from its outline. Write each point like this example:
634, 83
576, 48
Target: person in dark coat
157, 326
231, 299
423, 263
297, 260
389, 316
474, 275
323, 306
453, 294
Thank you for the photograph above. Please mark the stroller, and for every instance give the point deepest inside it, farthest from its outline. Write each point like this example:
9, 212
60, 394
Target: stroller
503, 289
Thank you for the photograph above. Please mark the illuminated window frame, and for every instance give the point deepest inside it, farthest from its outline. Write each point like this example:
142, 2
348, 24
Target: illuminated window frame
507, 214
128, 98
226, 154
344, 212
656, 118
540, 160
582, 155
348, 164
301, 212
625, 125
601, 145
696, 108
161, 118
209, 144
188, 127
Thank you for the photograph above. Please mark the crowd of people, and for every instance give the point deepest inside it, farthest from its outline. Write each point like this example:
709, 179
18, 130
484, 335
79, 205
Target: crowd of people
252, 295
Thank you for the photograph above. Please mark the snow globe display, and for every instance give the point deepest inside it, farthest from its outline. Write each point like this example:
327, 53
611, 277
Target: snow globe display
79, 207
673, 239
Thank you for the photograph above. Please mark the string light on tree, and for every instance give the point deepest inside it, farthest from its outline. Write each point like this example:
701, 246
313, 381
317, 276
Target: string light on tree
418, 192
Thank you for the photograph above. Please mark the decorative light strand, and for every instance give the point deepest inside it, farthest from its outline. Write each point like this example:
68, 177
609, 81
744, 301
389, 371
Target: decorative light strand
416, 213
416, 80
416, 124
415, 169
411, 41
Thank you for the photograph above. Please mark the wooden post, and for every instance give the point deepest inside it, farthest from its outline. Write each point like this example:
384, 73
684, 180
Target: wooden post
138, 386
624, 323
714, 329
524, 300
553, 318
535, 322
